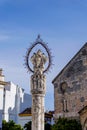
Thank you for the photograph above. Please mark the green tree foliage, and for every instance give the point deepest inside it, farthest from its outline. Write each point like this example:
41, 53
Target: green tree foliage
47, 126
10, 125
27, 126
5, 125
67, 124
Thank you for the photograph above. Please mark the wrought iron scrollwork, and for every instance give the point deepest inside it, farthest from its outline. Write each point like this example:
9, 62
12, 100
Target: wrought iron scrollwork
45, 46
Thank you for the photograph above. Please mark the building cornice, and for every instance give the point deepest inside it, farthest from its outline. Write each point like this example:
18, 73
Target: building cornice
3, 83
22, 115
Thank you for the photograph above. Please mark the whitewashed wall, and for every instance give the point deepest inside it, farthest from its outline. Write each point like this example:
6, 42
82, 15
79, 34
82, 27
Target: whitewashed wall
15, 102
1, 97
23, 120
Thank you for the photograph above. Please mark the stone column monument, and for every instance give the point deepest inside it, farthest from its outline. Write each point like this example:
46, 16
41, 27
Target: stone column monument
38, 82
38, 89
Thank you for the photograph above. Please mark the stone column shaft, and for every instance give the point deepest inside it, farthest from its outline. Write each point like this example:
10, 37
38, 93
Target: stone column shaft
38, 112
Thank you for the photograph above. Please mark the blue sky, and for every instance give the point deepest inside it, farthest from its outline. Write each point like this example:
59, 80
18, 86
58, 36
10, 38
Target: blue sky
61, 23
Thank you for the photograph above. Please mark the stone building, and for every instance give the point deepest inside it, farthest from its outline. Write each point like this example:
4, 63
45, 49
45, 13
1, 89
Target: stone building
70, 86
83, 117
13, 100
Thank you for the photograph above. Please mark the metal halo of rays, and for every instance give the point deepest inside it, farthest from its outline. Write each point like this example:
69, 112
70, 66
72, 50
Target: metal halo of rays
45, 46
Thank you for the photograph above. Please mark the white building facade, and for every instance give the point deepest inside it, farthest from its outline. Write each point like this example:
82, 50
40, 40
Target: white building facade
13, 100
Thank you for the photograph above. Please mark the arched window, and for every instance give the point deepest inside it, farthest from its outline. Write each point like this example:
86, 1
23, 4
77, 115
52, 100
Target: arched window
63, 87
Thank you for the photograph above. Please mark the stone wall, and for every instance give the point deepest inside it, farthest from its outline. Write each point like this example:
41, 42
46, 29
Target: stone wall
70, 86
83, 117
